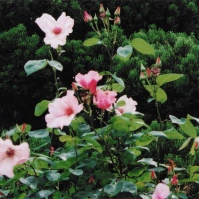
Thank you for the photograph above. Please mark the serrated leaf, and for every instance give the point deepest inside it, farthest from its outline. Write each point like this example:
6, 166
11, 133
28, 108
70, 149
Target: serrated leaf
91, 42
35, 65
56, 65
165, 78
41, 107
142, 46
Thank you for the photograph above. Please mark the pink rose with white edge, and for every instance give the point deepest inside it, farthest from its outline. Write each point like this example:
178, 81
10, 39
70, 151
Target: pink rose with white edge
56, 31
128, 107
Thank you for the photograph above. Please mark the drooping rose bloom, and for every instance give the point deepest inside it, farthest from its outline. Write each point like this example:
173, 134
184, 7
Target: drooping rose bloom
129, 107
11, 155
161, 191
89, 80
56, 31
63, 110
104, 99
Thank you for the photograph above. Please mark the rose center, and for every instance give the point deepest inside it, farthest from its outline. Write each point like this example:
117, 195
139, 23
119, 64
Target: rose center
10, 152
57, 30
69, 111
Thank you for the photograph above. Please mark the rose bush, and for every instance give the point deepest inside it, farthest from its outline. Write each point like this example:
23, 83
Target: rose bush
104, 142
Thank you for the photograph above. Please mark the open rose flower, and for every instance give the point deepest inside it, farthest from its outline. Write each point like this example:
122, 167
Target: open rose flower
56, 31
161, 191
11, 155
104, 99
88, 81
63, 110
129, 107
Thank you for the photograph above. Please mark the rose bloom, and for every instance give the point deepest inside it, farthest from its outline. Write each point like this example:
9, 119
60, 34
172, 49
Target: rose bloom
161, 191
89, 80
129, 107
11, 155
63, 110
56, 31
104, 99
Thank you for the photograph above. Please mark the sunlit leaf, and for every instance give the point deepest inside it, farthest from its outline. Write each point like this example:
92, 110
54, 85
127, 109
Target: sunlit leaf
91, 42
165, 78
142, 46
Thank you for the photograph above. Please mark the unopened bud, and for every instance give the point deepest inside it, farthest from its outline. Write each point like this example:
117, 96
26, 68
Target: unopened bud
101, 8
51, 150
23, 128
117, 21
87, 18
117, 11
148, 72
174, 180
142, 68
91, 180
142, 76
158, 62
108, 14
153, 175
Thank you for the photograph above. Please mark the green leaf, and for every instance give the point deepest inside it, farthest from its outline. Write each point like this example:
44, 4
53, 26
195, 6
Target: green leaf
145, 177
41, 107
121, 103
124, 53
157, 134
117, 87
173, 135
65, 138
55, 64
35, 65
91, 42
161, 96
76, 172
113, 189
186, 142
148, 161
42, 133
118, 80
52, 175
182, 195
31, 181
43, 194
142, 46
192, 118
143, 141
194, 169
188, 128
165, 78
129, 187
137, 171
176, 120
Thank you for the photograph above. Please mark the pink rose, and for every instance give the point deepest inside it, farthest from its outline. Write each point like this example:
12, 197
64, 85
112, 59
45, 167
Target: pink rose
161, 191
104, 99
129, 107
63, 110
88, 81
11, 155
56, 31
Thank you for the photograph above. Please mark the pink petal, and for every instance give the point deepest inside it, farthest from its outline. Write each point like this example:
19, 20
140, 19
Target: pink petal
7, 166
22, 152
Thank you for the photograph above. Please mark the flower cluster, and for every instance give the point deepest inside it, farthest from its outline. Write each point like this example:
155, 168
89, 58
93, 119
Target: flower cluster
63, 110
